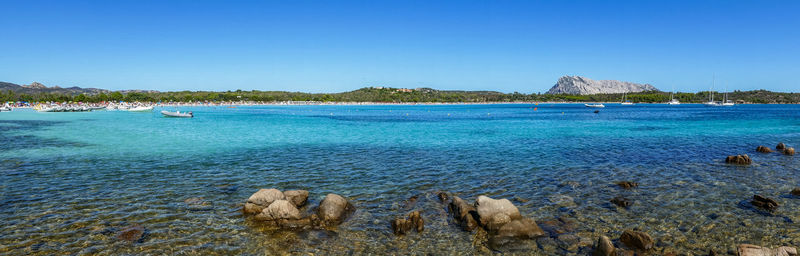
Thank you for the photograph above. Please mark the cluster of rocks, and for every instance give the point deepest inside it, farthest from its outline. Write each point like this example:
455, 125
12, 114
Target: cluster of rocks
764, 203
782, 148
622, 201
403, 225
745, 159
498, 217
637, 241
283, 209
739, 159
754, 250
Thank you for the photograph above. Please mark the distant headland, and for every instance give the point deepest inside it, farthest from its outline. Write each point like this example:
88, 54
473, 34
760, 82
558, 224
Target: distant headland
567, 89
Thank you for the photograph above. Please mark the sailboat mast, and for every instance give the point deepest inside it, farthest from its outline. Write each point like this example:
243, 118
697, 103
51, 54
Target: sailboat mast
713, 80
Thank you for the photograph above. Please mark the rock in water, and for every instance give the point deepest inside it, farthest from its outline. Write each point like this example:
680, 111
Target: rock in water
788, 151
261, 200
763, 149
584, 86
297, 197
627, 184
197, 204
754, 250
413, 221
780, 146
416, 219
621, 201
520, 228
494, 214
443, 196
796, 192
133, 234
334, 209
463, 213
280, 209
637, 240
739, 159
604, 247
764, 203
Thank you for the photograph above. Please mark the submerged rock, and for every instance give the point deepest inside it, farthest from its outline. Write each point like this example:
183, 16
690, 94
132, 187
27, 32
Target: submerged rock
636, 240
520, 228
493, 213
261, 200
298, 198
739, 159
788, 151
334, 209
621, 201
463, 213
627, 184
754, 250
558, 226
510, 234
763, 149
413, 221
603, 247
133, 234
780, 146
443, 196
197, 204
765, 203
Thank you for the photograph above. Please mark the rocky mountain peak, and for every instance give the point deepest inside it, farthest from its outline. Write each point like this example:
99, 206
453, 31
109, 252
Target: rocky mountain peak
584, 86
35, 85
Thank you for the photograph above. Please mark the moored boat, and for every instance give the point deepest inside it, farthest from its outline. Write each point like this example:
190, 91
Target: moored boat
176, 114
141, 109
625, 101
598, 105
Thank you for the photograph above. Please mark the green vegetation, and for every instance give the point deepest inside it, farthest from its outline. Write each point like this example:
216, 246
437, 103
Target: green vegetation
396, 96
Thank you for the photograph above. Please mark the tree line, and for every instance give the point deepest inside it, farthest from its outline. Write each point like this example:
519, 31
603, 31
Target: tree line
393, 95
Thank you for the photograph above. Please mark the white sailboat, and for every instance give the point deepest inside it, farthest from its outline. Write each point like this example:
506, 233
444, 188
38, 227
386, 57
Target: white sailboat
726, 102
711, 102
672, 100
624, 101
598, 105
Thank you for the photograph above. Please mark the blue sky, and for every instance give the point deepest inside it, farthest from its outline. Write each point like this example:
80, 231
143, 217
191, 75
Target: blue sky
333, 46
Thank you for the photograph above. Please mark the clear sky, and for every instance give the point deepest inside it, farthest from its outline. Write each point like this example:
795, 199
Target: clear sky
333, 46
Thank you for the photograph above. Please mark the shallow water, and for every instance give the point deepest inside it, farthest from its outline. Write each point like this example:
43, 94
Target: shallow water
71, 181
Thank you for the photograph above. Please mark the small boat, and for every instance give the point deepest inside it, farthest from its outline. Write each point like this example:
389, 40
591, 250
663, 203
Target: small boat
625, 101
711, 102
176, 114
598, 105
672, 99
5, 108
141, 109
726, 102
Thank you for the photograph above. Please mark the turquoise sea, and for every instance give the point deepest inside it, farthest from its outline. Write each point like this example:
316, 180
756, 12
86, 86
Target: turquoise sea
70, 181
